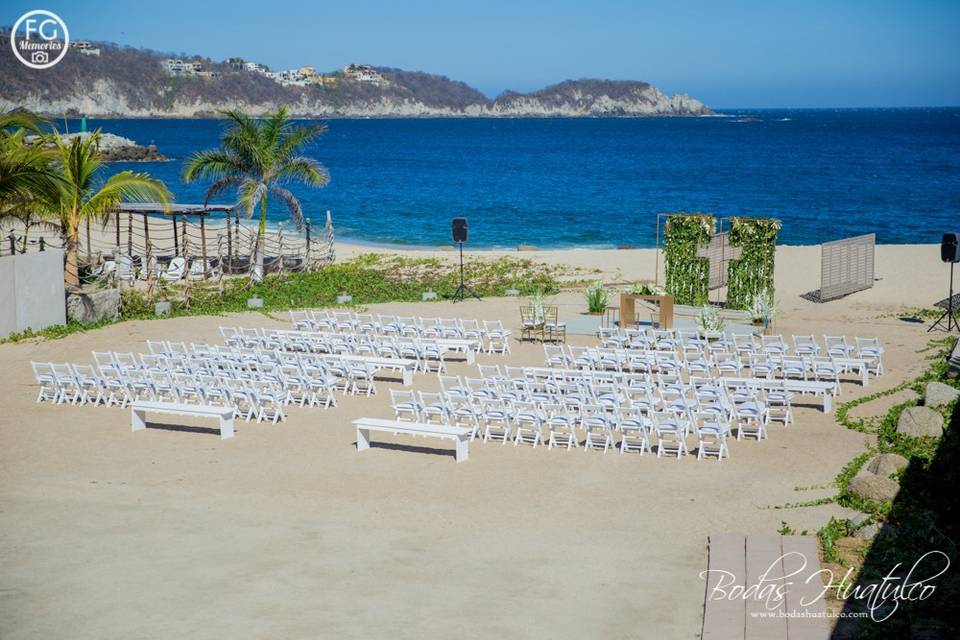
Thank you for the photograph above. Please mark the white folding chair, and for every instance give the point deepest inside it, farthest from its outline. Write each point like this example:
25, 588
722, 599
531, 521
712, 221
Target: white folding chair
47, 381
406, 408
712, 431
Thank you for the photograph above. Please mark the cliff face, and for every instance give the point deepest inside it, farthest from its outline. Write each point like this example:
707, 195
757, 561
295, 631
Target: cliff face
597, 98
133, 83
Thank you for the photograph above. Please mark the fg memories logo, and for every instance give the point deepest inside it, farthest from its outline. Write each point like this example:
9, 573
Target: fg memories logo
39, 39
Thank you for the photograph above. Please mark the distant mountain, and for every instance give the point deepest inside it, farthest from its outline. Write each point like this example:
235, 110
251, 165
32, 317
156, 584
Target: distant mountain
128, 82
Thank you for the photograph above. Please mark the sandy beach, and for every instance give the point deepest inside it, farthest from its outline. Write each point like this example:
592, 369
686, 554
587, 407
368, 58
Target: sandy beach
286, 531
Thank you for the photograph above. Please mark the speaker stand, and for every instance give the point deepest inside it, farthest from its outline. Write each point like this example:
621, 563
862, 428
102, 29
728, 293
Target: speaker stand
463, 291
952, 322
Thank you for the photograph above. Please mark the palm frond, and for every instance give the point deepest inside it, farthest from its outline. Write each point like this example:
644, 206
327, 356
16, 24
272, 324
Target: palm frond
243, 140
212, 165
298, 138
16, 120
291, 203
222, 185
305, 170
250, 194
125, 186
273, 129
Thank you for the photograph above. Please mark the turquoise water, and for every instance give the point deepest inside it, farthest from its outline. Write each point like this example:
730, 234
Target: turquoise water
601, 182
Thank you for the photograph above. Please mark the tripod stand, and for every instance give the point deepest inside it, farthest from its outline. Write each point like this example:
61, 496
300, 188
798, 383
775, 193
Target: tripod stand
463, 290
949, 306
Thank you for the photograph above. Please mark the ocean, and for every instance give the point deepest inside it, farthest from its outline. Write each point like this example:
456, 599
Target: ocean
551, 183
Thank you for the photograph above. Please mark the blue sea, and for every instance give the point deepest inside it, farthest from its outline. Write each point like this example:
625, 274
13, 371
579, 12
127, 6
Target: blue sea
827, 174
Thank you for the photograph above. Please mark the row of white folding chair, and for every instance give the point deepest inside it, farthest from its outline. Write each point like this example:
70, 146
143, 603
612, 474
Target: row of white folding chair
235, 363
762, 366
62, 382
554, 425
262, 398
321, 374
868, 349
429, 355
743, 405
81, 384
657, 393
594, 377
662, 394
407, 326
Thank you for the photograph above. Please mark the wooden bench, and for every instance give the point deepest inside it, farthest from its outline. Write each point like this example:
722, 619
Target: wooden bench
466, 346
141, 407
826, 390
460, 435
402, 366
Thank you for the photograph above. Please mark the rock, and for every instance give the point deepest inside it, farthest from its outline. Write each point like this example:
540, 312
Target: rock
939, 394
867, 532
873, 487
93, 306
526, 247
114, 148
886, 464
920, 421
859, 519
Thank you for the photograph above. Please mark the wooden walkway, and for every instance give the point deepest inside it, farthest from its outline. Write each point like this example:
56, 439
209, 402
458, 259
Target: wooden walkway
738, 561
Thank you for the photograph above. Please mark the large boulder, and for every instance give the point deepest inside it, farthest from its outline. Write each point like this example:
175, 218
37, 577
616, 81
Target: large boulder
920, 421
939, 394
867, 532
886, 464
870, 486
93, 306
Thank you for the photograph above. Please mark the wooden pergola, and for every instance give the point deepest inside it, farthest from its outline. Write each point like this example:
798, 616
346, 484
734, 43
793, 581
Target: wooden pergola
174, 211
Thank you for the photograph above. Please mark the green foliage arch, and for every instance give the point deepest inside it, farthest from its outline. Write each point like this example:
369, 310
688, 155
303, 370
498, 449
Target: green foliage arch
687, 274
752, 273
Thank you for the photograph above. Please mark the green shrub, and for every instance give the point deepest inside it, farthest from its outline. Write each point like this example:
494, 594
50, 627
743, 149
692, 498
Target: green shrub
597, 297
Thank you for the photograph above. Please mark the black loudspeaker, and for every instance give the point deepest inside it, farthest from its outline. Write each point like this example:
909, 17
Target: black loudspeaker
460, 230
950, 247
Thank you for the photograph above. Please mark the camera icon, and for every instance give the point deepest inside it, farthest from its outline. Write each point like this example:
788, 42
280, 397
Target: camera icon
40, 57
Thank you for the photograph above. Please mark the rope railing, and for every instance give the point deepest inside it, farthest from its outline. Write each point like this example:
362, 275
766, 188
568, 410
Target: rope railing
224, 246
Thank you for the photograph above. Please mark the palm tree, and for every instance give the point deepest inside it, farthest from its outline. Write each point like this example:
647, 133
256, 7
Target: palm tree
79, 199
25, 171
257, 157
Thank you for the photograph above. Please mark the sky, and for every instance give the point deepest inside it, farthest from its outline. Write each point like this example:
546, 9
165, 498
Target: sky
777, 53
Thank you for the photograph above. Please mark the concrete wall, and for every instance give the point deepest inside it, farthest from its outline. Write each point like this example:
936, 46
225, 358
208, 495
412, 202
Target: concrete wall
31, 291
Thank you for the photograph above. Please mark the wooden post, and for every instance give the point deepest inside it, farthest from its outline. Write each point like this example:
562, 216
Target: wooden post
236, 230
130, 234
146, 247
186, 221
89, 254
307, 256
203, 244
280, 244
117, 220
229, 244
176, 237
42, 244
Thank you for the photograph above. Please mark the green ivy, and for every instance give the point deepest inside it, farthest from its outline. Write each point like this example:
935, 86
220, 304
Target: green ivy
752, 273
687, 274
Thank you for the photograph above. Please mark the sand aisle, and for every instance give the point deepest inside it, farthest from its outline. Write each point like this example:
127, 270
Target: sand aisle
287, 532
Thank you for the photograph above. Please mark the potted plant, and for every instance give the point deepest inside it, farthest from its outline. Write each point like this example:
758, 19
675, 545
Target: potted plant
597, 298
711, 323
643, 289
762, 310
